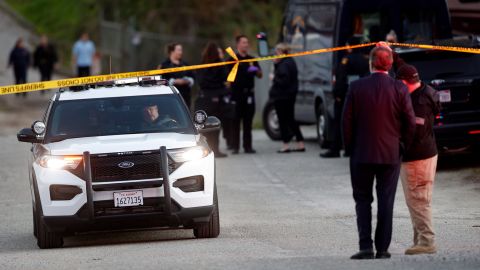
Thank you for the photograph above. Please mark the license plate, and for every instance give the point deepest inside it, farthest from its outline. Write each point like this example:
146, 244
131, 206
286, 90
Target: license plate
445, 96
128, 198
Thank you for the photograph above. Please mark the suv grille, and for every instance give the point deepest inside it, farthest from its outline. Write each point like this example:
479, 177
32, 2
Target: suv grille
136, 166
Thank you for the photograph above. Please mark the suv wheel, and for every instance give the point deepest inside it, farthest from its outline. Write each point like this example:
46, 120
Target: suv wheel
35, 225
270, 122
46, 239
212, 228
321, 122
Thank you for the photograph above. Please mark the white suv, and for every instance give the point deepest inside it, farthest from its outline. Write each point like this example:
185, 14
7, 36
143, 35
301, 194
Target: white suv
121, 155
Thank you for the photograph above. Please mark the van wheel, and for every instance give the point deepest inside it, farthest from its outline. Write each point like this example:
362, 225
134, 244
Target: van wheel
46, 239
212, 228
321, 122
270, 122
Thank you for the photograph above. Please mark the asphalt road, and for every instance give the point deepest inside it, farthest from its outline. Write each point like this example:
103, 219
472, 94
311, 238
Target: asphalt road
291, 211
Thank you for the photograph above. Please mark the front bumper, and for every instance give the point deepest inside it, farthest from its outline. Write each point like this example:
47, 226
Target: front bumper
164, 205
81, 222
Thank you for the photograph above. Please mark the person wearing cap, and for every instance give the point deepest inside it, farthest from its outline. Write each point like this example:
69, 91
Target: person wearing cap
378, 119
283, 93
420, 161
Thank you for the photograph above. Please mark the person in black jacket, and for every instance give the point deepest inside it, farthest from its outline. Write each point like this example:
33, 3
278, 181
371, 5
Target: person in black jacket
212, 82
283, 93
182, 80
45, 58
243, 96
420, 161
352, 67
378, 122
20, 60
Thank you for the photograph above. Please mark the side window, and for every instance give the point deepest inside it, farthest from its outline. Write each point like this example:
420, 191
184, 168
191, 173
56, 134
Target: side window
320, 26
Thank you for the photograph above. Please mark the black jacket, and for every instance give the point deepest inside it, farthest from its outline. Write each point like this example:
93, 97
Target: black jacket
212, 81
285, 80
378, 120
351, 67
19, 58
177, 75
45, 57
426, 105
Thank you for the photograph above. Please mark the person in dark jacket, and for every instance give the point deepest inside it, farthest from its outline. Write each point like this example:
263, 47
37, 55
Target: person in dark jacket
212, 82
182, 80
352, 67
378, 119
243, 95
20, 61
283, 93
45, 58
420, 161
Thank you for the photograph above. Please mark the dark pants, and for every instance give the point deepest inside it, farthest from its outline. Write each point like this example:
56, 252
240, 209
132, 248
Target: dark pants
336, 144
285, 109
213, 107
20, 74
83, 71
45, 73
244, 112
362, 176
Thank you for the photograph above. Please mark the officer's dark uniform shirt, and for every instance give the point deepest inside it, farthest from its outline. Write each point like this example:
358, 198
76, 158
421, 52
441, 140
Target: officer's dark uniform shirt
244, 81
425, 102
177, 75
352, 66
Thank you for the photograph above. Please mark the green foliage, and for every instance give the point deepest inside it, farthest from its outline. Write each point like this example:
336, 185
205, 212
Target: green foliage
61, 19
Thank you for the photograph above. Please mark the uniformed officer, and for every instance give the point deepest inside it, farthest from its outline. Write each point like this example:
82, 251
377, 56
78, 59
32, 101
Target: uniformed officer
352, 67
182, 80
244, 97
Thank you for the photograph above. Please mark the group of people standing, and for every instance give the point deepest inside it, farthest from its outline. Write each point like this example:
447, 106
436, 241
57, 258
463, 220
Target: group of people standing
44, 58
233, 103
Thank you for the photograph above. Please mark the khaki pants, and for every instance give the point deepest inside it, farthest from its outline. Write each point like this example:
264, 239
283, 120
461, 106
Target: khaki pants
417, 181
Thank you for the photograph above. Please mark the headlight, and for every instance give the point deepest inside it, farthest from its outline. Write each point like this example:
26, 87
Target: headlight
60, 162
188, 154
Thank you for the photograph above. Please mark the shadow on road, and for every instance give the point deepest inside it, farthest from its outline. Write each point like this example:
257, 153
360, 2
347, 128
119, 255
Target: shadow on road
458, 161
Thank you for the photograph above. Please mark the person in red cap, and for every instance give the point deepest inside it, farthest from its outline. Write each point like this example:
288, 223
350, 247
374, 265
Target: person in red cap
420, 161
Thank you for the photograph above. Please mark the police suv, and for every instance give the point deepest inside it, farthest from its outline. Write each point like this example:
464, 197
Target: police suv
121, 155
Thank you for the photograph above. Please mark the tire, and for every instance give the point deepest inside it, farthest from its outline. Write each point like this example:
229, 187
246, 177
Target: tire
321, 124
35, 224
45, 238
270, 122
212, 228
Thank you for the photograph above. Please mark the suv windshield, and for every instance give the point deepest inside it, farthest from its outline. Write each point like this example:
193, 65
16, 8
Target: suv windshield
117, 116
443, 65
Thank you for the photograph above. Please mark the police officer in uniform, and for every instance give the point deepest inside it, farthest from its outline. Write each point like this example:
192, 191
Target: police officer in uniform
352, 67
244, 97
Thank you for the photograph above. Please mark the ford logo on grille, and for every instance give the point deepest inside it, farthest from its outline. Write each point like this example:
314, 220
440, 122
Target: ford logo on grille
126, 164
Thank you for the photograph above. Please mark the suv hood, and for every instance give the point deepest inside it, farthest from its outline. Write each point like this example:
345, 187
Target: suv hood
121, 143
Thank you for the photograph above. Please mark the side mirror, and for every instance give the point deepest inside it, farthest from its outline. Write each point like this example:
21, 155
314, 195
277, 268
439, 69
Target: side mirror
211, 124
262, 44
33, 133
27, 135
205, 123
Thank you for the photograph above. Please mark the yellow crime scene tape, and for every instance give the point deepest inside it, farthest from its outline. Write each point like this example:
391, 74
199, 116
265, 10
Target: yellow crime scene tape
38, 86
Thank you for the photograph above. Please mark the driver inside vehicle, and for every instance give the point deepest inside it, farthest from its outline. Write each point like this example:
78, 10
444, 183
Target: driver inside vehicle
154, 119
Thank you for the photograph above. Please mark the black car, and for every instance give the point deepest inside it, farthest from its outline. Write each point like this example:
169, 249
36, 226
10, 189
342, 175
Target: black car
457, 78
